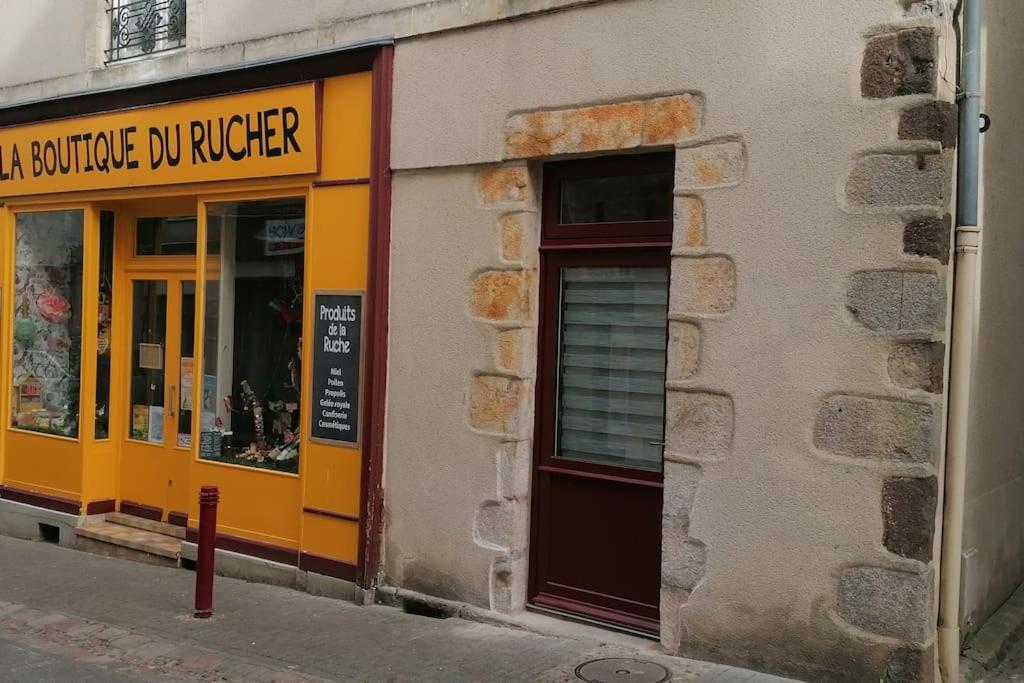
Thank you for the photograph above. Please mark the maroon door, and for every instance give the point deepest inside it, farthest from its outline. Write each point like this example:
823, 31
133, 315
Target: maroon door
596, 523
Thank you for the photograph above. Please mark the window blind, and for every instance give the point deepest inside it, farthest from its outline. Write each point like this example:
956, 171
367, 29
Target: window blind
611, 405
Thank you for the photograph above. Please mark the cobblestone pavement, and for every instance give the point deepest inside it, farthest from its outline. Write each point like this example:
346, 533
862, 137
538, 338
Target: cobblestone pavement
71, 616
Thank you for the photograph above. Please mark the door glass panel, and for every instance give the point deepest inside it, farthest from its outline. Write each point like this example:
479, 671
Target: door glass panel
149, 340
105, 299
611, 365
186, 370
47, 348
165, 236
253, 322
610, 199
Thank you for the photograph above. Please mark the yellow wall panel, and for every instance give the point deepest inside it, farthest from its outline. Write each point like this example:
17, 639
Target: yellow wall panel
337, 539
347, 105
43, 463
256, 504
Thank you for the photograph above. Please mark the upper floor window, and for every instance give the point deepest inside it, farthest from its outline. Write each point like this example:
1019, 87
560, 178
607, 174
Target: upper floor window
144, 27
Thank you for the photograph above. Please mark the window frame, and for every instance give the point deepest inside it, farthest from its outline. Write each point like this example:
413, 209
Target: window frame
554, 233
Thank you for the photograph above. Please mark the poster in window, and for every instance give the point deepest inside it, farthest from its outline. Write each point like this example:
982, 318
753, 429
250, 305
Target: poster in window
187, 366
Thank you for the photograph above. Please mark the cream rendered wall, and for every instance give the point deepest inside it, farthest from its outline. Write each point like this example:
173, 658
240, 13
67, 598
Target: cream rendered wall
232, 21
46, 39
994, 523
55, 47
779, 519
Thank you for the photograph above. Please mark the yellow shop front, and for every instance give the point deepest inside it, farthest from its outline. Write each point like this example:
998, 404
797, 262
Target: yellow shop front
192, 295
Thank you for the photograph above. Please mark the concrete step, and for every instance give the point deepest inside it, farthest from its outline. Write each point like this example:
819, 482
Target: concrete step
146, 524
132, 538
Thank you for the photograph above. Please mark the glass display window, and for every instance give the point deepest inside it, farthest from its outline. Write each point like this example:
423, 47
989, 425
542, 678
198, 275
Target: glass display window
252, 347
47, 329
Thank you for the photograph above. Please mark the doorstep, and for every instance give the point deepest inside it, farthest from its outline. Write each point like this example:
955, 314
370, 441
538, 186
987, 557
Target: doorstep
131, 538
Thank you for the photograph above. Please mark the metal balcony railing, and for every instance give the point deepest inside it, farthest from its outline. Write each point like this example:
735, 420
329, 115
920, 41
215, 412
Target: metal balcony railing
144, 27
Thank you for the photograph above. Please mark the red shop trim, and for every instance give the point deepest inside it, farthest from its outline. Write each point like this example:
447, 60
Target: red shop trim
140, 510
318, 564
100, 507
245, 546
42, 500
377, 299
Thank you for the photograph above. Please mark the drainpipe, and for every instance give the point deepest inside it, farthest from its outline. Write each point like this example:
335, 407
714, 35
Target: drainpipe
962, 341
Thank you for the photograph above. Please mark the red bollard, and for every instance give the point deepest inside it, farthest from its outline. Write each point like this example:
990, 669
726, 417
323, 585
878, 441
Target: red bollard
208, 498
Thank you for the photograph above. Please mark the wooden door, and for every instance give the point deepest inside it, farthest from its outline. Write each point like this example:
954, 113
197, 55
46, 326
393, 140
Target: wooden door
597, 497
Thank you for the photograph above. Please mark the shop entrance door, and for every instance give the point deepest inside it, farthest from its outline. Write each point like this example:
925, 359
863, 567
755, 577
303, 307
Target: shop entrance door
154, 324
158, 426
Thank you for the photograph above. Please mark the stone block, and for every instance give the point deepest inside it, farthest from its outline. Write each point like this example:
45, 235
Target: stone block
496, 404
573, 131
898, 301
892, 182
514, 469
900, 63
937, 121
699, 425
505, 186
688, 227
502, 296
918, 365
928, 237
516, 351
516, 242
702, 285
887, 602
507, 584
498, 525
908, 511
877, 428
910, 665
715, 164
672, 601
683, 350
680, 489
668, 120
603, 127
682, 558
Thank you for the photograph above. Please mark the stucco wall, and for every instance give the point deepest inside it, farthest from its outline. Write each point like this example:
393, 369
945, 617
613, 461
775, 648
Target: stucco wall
994, 523
55, 47
780, 519
44, 40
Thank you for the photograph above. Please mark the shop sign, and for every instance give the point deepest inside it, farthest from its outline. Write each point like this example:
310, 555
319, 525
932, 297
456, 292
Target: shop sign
337, 354
249, 135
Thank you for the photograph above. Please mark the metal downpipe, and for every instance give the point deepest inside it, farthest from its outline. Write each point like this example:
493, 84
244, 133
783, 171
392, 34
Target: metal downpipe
965, 298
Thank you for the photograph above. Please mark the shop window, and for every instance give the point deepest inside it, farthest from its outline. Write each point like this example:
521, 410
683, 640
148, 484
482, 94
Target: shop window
144, 27
105, 298
252, 345
165, 236
47, 321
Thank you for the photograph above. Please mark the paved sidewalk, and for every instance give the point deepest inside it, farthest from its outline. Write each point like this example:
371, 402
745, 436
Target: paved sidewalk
67, 615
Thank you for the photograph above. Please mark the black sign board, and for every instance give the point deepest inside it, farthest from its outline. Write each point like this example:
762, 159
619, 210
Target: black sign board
337, 355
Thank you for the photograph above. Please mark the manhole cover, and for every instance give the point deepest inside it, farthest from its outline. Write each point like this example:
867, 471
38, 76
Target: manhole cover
622, 670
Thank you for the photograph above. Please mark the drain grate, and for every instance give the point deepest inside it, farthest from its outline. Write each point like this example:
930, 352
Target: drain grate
622, 670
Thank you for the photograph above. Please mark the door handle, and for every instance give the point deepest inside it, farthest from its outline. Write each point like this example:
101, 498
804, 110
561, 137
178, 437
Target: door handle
173, 403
